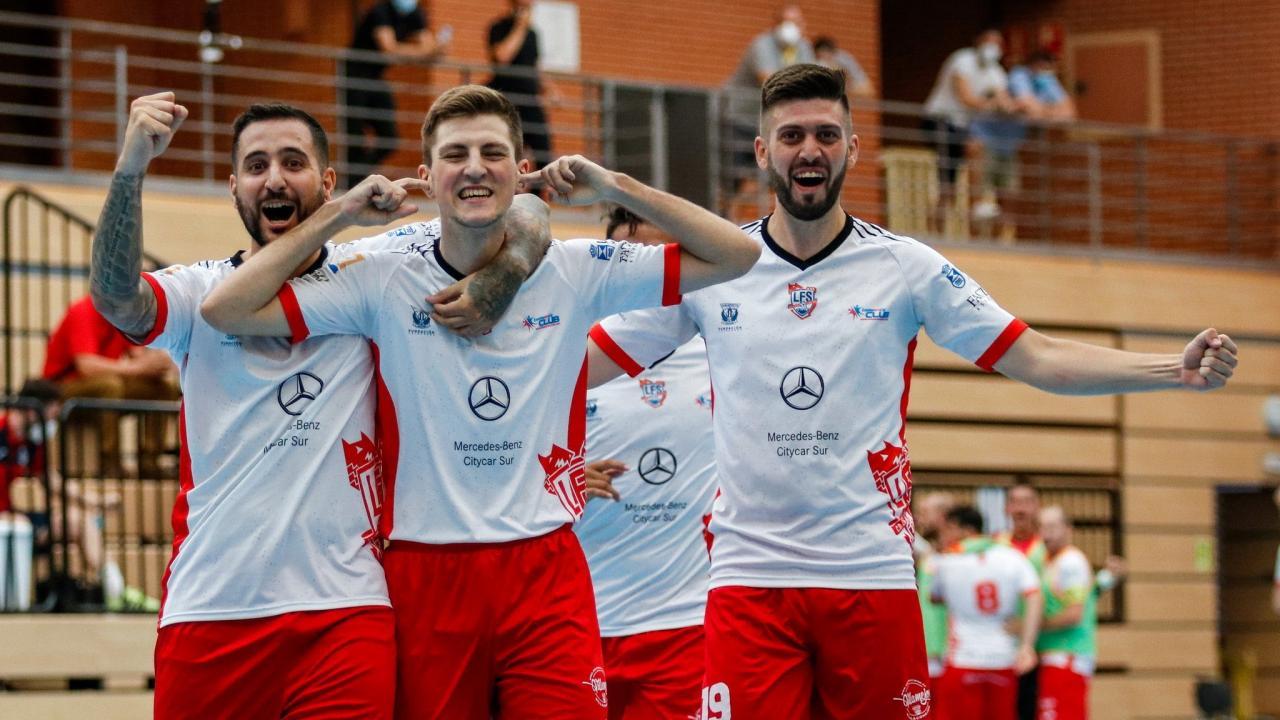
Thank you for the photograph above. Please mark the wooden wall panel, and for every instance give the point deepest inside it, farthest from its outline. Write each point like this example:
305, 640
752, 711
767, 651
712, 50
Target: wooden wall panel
55, 645
1165, 553
954, 396
1007, 448
1238, 412
1216, 460
1189, 508
1177, 602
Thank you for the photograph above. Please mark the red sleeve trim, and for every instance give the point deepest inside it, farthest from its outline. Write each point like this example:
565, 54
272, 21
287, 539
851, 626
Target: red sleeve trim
162, 311
670, 275
614, 351
293, 313
1002, 344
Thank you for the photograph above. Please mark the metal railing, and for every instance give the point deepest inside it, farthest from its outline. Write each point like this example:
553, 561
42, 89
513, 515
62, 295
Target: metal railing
44, 268
1084, 187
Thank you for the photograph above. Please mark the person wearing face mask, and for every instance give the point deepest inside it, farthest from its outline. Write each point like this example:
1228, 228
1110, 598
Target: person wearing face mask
782, 45
972, 82
1037, 91
391, 27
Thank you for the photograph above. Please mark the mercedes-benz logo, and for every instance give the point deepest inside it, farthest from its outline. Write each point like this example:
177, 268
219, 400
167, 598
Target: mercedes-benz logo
657, 466
489, 398
801, 388
296, 393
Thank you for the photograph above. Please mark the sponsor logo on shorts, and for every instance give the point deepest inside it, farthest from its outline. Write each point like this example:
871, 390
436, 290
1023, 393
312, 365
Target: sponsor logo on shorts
869, 313
602, 250
598, 687
803, 300
715, 703
953, 276
541, 322
653, 392
916, 699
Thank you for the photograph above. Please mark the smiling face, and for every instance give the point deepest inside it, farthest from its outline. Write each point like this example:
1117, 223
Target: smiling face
808, 147
473, 169
278, 181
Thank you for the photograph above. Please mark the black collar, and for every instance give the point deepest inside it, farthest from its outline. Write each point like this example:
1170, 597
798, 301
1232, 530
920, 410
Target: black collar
238, 259
453, 272
819, 257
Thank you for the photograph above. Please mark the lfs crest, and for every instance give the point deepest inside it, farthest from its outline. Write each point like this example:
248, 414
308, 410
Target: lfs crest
803, 300
653, 392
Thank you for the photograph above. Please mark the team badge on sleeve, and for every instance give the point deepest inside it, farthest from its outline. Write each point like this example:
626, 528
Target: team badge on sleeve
653, 392
804, 300
953, 276
602, 250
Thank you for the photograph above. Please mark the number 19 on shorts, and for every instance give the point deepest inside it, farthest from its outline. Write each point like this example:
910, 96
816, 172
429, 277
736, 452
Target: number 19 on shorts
715, 703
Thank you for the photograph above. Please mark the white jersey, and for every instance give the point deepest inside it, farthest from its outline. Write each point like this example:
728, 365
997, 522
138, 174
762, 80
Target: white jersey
502, 456
982, 589
279, 491
647, 552
811, 362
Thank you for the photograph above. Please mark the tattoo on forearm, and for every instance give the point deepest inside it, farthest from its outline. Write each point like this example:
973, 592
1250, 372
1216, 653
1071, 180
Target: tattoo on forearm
116, 260
495, 286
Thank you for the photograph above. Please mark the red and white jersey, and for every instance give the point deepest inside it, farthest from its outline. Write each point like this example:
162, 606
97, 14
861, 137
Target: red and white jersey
647, 553
982, 588
280, 492
811, 361
484, 438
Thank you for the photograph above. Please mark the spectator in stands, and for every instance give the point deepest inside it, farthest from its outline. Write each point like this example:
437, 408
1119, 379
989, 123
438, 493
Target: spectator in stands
393, 28
930, 514
782, 45
89, 358
1068, 638
1036, 90
23, 437
972, 82
513, 43
856, 79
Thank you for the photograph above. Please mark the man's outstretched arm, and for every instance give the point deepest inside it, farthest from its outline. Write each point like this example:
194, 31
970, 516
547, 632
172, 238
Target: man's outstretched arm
1067, 367
245, 303
115, 265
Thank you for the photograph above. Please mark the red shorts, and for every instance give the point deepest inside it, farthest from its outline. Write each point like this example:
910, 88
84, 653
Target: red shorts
815, 653
655, 675
315, 664
496, 630
1064, 695
963, 693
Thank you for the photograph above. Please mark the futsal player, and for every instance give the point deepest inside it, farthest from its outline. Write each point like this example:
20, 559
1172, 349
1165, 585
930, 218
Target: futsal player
651, 455
274, 600
494, 609
984, 585
811, 570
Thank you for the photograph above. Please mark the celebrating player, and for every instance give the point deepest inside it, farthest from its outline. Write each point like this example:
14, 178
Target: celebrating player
274, 600
984, 585
493, 602
652, 452
810, 354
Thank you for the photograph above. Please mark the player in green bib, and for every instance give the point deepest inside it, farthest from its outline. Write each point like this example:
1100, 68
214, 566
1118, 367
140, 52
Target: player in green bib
1068, 637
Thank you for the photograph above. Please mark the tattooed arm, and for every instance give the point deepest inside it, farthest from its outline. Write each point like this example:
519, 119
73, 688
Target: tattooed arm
118, 292
473, 305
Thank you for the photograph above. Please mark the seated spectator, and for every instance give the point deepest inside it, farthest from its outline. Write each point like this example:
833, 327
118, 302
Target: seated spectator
391, 27
971, 83
1036, 91
780, 46
89, 358
857, 82
513, 43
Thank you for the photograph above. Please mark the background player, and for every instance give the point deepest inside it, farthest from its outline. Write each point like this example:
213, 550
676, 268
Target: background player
1068, 640
491, 482
276, 552
984, 585
806, 581
646, 551
1022, 504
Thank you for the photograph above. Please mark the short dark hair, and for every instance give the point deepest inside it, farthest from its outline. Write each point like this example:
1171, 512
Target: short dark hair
620, 216
470, 101
259, 112
824, 42
804, 81
966, 516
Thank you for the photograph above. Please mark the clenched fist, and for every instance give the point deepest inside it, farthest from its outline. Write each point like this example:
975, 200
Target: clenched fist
153, 119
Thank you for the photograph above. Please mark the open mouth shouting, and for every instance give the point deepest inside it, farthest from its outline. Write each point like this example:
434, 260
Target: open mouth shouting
809, 178
279, 214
